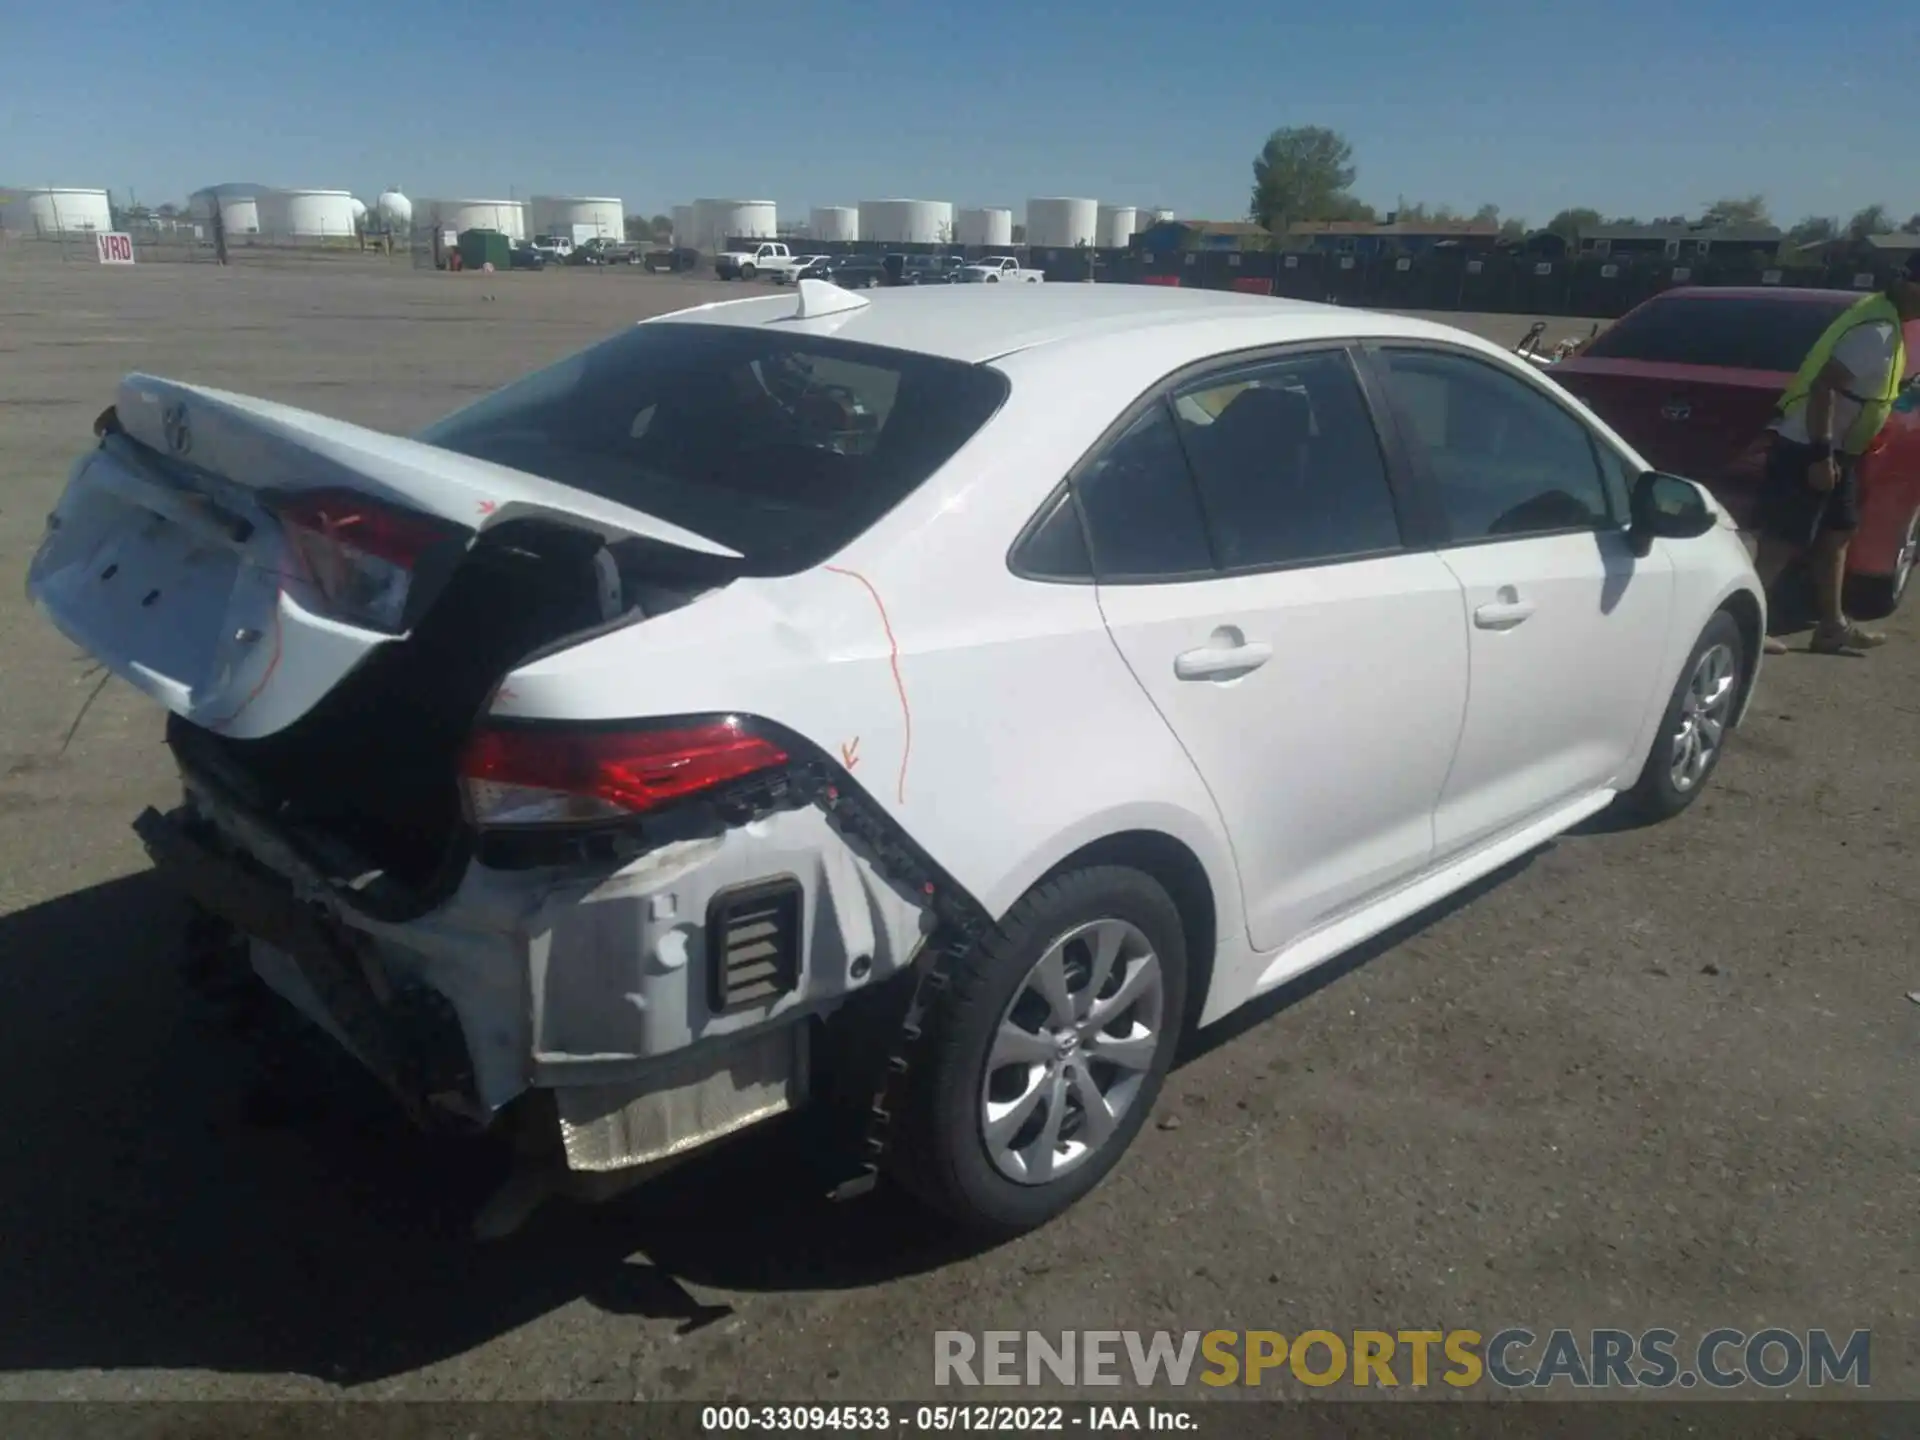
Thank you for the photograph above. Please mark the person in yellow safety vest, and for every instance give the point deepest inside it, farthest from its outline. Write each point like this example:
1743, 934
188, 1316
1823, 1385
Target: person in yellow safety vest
1825, 421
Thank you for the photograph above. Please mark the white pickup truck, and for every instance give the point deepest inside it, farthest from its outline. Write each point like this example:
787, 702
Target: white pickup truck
998, 270
764, 259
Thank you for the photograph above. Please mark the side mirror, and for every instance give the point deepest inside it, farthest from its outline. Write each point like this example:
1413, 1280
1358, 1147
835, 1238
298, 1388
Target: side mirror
1666, 507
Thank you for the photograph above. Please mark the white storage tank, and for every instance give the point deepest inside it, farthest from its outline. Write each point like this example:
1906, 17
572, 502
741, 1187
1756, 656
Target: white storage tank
395, 210
835, 222
55, 211
683, 227
238, 204
907, 222
306, 214
989, 225
559, 214
719, 221
1115, 226
1062, 224
359, 212
509, 217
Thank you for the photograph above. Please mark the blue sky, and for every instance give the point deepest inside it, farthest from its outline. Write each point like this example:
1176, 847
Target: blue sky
1627, 105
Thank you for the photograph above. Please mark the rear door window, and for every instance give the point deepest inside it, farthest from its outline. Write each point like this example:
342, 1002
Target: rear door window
783, 448
1141, 510
1288, 463
1727, 332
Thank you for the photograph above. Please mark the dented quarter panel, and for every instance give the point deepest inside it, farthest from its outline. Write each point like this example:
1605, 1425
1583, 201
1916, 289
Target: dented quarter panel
1003, 733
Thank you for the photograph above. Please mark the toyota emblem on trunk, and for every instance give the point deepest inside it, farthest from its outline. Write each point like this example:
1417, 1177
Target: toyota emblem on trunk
173, 422
1676, 410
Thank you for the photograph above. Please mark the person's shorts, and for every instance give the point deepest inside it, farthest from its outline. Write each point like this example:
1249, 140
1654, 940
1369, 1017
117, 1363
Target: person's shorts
1796, 512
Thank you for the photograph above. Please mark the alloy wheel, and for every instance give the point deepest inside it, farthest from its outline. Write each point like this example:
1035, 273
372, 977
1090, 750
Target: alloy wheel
1071, 1051
1704, 711
1909, 553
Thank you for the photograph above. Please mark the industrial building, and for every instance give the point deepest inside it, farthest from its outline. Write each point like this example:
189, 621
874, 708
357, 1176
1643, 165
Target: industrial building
55, 210
601, 215
1062, 224
717, 221
238, 204
906, 222
395, 211
835, 222
306, 214
1114, 226
509, 217
986, 225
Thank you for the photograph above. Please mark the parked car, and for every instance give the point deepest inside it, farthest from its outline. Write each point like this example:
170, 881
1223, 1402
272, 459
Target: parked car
853, 272
605, 251
922, 269
670, 258
528, 257
762, 259
996, 270
608, 759
554, 247
802, 264
1691, 378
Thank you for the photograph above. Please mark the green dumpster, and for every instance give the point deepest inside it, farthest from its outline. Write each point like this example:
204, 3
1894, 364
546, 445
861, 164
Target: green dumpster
484, 247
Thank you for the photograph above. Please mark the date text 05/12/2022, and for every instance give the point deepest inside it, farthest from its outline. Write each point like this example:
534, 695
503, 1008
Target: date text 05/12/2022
940, 1419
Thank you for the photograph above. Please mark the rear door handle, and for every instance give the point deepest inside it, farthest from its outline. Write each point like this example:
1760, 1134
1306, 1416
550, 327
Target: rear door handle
1222, 661
1503, 614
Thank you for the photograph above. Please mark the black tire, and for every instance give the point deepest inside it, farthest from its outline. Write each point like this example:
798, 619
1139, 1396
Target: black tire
747, 272
1656, 795
939, 1152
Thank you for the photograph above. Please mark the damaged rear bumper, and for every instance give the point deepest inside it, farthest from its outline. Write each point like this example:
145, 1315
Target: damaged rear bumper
658, 1006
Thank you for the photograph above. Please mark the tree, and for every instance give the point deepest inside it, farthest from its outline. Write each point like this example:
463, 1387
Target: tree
661, 226
1513, 228
1569, 223
1738, 210
1872, 220
1487, 215
1912, 227
1019, 234
1814, 230
1303, 172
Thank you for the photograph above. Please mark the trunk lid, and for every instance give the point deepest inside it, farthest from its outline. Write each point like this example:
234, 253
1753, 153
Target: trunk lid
1704, 422
172, 557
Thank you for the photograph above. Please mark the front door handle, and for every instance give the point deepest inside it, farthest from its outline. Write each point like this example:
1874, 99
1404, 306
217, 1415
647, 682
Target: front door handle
1503, 614
1225, 659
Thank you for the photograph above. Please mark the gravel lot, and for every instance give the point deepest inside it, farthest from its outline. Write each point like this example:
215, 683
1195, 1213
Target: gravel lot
1662, 1077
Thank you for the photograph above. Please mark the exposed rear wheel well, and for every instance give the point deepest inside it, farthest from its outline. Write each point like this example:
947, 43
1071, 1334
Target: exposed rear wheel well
1184, 878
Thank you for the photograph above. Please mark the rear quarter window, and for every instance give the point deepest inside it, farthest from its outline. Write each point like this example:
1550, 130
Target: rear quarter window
1732, 333
783, 448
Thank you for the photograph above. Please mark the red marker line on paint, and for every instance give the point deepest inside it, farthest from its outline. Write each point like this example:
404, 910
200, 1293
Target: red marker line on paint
899, 685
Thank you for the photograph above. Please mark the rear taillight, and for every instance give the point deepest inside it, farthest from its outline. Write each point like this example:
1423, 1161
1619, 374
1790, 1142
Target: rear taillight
360, 555
562, 775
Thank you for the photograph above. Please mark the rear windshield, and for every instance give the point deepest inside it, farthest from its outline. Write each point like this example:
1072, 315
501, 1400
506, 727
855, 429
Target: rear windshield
1735, 333
784, 448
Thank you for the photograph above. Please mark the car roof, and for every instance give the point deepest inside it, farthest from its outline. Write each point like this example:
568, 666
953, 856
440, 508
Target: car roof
1793, 294
976, 323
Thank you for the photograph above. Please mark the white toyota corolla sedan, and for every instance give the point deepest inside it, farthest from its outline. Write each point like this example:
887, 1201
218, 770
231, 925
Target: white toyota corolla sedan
945, 697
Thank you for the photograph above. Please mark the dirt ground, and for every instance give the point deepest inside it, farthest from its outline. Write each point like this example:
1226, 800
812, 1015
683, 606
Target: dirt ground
1660, 1077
